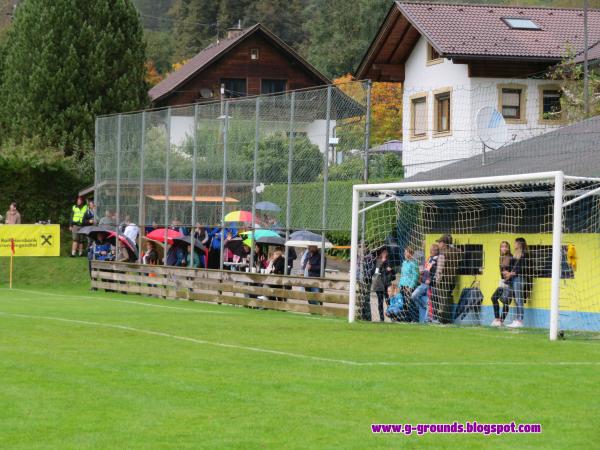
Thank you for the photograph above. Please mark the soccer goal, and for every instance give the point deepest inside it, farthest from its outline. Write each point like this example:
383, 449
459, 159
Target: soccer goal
514, 251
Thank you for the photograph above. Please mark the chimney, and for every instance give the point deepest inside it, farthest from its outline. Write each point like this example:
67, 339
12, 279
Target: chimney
234, 31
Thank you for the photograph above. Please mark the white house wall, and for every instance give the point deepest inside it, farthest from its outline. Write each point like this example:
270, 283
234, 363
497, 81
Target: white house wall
468, 96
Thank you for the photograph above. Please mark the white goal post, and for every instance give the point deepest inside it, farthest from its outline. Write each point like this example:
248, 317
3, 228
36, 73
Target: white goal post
537, 205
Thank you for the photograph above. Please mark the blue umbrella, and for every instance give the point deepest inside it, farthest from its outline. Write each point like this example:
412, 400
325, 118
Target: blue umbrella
305, 239
267, 206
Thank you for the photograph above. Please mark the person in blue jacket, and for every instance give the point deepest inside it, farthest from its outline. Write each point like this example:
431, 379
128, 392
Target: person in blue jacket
409, 278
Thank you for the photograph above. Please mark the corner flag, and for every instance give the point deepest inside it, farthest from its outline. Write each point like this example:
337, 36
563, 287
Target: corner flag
12, 253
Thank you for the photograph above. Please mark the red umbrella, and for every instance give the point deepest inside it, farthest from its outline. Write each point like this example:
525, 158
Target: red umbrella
126, 241
159, 235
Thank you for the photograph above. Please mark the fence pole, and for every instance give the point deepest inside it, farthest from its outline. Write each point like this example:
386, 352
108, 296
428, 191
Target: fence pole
118, 205
141, 199
367, 146
96, 177
288, 209
167, 181
254, 177
367, 133
194, 155
325, 180
225, 119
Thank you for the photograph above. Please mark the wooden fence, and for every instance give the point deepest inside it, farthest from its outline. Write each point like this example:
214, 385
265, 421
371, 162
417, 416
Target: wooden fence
284, 293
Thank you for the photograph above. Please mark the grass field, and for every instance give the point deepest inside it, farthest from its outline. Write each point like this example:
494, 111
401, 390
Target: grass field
81, 369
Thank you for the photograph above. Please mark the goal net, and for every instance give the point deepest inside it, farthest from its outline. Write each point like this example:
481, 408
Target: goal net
513, 251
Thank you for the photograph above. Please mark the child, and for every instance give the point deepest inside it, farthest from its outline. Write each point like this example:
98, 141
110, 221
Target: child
409, 277
394, 311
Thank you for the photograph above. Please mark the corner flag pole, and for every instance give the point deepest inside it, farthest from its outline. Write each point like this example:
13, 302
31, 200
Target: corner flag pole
12, 254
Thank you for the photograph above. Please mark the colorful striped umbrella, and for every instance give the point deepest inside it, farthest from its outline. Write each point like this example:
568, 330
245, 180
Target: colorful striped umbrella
239, 216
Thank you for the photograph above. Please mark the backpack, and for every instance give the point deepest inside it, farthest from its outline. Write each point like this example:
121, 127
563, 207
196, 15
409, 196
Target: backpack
470, 301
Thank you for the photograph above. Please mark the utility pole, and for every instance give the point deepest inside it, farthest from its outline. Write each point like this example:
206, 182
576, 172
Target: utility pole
586, 77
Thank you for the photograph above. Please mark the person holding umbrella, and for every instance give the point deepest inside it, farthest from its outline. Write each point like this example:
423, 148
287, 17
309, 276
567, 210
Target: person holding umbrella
311, 265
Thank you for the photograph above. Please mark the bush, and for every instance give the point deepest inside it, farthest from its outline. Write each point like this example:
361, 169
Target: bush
42, 181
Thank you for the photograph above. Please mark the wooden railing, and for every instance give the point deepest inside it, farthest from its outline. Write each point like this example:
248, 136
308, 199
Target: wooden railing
285, 293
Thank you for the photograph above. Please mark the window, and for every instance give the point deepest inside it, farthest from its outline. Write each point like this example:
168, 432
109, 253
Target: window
419, 116
550, 103
471, 259
517, 23
442, 112
511, 102
254, 54
540, 262
433, 56
234, 87
273, 86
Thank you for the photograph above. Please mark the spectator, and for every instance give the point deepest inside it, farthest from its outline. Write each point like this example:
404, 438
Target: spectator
124, 223
214, 250
151, 255
132, 231
276, 263
176, 256
395, 310
13, 217
445, 280
520, 281
125, 253
151, 228
420, 296
102, 249
90, 215
503, 291
382, 278
107, 220
409, 278
311, 266
78, 211
260, 259
192, 254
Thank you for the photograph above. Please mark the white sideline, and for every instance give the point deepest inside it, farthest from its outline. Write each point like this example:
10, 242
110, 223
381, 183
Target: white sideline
303, 356
152, 305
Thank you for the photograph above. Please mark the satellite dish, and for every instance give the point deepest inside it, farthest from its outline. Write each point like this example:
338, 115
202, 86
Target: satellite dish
206, 93
491, 128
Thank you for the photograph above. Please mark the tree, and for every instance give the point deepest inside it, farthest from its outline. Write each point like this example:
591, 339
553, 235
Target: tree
570, 76
340, 32
66, 62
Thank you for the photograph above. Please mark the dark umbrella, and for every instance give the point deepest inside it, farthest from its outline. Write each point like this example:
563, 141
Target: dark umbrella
236, 245
271, 240
267, 206
306, 238
187, 240
93, 229
126, 241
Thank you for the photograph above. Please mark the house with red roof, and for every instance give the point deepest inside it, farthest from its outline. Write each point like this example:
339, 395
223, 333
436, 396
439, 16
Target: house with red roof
454, 60
251, 61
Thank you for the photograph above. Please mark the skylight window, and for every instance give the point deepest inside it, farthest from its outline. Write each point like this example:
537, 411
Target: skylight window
520, 24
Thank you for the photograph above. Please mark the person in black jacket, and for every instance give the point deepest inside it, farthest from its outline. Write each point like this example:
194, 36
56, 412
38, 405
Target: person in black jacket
503, 292
521, 283
311, 266
383, 275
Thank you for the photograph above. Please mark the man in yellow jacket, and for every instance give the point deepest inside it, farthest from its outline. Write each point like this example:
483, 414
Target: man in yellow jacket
77, 216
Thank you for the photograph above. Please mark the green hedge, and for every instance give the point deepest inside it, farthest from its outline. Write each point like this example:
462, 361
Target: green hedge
42, 181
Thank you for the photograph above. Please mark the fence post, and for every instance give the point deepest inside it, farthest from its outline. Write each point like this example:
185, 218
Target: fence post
288, 209
325, 179
367, 133
167, 181
194, 155
118, 200
141, 219
254, 176
225, 119
96, 176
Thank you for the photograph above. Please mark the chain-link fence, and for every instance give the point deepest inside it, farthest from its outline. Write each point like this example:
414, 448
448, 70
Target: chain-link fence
278, 157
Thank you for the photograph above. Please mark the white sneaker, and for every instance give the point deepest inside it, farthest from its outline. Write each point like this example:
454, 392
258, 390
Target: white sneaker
496, 323
515, 324
262, 297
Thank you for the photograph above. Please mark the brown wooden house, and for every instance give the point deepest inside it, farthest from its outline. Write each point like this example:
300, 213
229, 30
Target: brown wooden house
251, 61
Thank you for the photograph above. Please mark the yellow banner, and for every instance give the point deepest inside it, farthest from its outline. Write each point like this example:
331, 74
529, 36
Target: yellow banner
30, 240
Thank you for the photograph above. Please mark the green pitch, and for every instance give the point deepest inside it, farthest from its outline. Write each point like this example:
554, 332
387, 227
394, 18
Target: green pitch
82, 369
